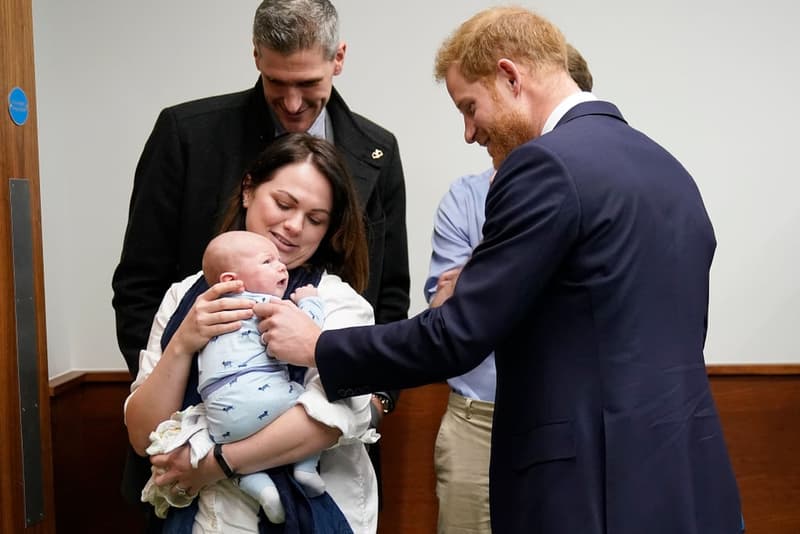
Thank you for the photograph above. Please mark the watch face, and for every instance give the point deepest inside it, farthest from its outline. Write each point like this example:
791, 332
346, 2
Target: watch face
386, 402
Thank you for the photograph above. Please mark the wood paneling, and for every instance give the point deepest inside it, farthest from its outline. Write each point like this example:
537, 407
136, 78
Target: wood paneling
89, 446
19, 159
759, 406
409, 483
761, 420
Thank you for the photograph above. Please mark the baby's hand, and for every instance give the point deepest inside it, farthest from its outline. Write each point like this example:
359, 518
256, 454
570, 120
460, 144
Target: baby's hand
303, 292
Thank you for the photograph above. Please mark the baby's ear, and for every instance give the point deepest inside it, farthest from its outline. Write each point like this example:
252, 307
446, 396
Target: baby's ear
228, 277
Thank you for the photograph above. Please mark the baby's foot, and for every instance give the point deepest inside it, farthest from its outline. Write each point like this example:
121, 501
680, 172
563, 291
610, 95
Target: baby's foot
271, 503
311, 482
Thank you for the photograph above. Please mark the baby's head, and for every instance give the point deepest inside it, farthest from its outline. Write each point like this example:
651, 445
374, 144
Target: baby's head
245, 256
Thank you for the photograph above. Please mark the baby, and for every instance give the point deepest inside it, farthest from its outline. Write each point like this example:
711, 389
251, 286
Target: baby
242, 386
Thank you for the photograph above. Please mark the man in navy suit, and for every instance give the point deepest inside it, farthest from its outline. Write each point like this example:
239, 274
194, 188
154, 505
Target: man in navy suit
591, 284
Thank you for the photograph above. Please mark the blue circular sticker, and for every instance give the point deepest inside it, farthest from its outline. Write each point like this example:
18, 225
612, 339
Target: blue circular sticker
18, 106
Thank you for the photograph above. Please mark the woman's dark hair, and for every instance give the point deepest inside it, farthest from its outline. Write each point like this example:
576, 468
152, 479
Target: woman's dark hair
343, 249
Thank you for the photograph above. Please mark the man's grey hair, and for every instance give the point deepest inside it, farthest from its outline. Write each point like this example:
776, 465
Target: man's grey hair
287, 26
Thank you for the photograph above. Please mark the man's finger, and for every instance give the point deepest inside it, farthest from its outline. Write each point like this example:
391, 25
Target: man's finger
265, 310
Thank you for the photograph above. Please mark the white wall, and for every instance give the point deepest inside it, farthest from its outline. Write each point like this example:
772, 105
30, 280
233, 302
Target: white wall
713, 81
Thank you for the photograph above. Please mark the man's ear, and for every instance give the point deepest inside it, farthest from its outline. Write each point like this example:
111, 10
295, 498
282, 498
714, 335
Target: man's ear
228, 276
338, 58
507, 70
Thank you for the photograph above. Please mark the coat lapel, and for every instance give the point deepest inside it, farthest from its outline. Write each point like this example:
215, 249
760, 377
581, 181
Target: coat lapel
363, 154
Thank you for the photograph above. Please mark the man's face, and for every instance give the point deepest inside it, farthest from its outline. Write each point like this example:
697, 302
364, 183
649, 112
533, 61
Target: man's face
492, 116
298, 85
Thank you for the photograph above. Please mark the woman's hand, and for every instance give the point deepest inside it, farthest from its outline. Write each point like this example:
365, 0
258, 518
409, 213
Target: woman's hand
175, 470
212, 315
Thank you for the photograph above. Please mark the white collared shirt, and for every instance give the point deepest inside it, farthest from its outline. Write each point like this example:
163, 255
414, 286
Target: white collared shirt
567, 104
319, 128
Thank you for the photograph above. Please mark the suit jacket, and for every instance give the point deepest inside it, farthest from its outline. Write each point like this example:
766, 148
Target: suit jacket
592, 285
191, 165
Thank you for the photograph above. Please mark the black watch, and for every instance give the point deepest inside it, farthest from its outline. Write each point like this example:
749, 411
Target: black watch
386, 401
220, 458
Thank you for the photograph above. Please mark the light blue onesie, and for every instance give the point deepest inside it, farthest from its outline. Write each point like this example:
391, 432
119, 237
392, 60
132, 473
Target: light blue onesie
244, 388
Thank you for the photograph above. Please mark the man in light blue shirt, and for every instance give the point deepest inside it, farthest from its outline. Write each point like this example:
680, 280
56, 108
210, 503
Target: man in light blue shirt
457, 230
463, 443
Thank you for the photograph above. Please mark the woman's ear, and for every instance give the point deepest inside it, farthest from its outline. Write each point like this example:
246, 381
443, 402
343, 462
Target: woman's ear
247, 191
228, 276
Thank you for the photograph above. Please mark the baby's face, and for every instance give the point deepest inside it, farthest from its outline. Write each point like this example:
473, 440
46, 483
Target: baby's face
261, 270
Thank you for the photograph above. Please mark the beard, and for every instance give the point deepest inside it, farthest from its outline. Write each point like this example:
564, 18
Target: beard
510, 130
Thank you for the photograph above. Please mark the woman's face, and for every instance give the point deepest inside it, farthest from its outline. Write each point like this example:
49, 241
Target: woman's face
293, 210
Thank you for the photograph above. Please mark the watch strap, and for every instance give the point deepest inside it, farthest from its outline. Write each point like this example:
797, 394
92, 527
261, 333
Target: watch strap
218, 456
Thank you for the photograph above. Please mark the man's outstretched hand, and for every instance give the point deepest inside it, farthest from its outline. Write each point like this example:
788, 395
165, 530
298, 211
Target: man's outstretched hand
289, 333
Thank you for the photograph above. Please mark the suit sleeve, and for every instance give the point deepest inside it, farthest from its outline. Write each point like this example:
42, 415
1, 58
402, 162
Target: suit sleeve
393, 299
148, 262
532, 221
343, 307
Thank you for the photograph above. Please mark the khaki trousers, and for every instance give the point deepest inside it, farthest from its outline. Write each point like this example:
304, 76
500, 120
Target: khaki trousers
461, 460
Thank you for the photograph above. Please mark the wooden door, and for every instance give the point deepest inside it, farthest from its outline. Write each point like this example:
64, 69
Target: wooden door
26, 473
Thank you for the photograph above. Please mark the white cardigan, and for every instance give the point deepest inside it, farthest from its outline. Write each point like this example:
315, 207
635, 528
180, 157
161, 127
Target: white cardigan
345, 467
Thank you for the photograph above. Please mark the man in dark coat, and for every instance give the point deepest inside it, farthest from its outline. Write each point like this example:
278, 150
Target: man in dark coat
197, 152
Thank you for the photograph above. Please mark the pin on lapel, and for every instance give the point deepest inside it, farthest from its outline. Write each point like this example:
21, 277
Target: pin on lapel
377, 153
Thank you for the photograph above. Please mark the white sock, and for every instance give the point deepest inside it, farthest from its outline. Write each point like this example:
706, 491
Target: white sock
311, 482
271, 503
